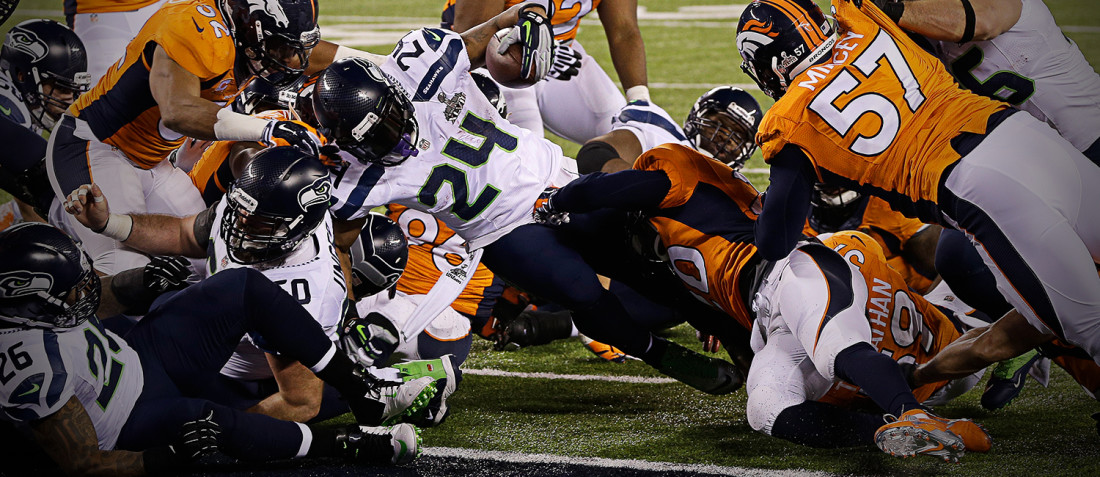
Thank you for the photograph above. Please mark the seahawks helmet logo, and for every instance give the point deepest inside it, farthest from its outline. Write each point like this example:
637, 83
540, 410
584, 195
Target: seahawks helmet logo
320, 192
27, 42
22, 283
273, 8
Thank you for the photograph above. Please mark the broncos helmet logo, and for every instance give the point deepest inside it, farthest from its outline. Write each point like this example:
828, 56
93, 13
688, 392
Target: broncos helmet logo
272, 8
23, 283
761, 27
319, 192
27, 42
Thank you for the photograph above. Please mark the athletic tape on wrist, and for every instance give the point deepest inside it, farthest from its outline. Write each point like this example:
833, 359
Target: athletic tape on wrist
637, 92
118, 227
232, 126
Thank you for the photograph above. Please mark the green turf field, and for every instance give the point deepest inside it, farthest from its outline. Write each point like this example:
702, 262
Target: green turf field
1046, 431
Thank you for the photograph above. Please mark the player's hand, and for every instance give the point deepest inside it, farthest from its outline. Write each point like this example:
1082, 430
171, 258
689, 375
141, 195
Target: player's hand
196, 439
711, 344
164, 274
330, 156
371, 340
89, 206
294, 134
567, 62
545, 213
533, 32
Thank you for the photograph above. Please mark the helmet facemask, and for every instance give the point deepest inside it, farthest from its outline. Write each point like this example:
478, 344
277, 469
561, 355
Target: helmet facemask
278, 59
253, 237
722, 136
832, 206
54, 95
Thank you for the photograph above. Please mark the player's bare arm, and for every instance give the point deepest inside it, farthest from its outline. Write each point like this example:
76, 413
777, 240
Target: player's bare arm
1006, 338
69, 438
177, 92
344, 234
471, 13
947, 19
477, 38
300, 392
149, 233
620, 23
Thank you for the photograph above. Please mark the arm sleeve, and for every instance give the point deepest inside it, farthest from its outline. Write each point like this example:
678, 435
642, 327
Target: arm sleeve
624, 190
204, 223
786, 204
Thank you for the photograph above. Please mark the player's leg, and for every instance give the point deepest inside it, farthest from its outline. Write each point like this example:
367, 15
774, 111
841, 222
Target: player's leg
75, 158
582, 107
105, 35
1032, 222
961, 266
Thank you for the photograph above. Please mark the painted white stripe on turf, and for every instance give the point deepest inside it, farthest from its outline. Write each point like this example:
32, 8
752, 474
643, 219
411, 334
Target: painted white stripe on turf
568, 377
633, 464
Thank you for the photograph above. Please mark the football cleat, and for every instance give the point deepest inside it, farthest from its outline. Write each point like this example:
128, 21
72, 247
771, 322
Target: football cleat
918, 432
388, 402
1008, 380
399, 444
446, 375
975, 437
710, 375
605, 351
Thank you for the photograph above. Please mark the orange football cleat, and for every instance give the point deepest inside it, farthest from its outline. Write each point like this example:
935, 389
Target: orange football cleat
918, 432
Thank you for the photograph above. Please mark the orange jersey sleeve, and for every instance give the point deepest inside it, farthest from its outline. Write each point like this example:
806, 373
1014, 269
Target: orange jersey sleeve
881, 113
432, 245
904, 325
121, 110
709, 250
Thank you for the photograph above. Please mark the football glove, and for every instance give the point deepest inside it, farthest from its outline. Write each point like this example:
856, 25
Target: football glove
196, 439
567, 62
370, 341
545, 213
164, 274
533, 32
294, 134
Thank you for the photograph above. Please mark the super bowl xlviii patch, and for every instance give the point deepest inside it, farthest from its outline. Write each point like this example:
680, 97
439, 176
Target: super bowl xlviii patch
454, 105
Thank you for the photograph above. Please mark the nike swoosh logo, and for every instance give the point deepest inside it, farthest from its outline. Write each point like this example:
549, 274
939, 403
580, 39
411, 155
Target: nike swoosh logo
6, 111
1018, 381
434, 35
197, 27
32, 391
404, 449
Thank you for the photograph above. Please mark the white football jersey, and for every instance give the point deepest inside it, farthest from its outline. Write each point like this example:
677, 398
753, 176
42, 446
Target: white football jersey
12, 107
474, 170
1036, 68
41, 369
311, 274
650, 124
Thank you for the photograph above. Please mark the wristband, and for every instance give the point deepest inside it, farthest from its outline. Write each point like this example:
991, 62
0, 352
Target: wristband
232, 126
118, 227
968, 29
637, 92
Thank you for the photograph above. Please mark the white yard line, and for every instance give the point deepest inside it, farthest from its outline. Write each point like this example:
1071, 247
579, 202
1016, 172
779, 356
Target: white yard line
568, 377
633, 464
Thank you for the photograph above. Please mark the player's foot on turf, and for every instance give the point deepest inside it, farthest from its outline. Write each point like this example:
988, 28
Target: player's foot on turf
917, 432
710, 375
533, 328
1008, 380
388, 401
399, 444
603, 350
975, 437
446, 374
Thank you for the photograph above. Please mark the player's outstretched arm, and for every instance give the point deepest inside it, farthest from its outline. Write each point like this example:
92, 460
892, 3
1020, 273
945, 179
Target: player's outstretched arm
620, 23
344, 234
152, 234
300, 392
177, 92
947, 20
786, 203
471, 13
1006, 338
477, 37
69, 438
326, 52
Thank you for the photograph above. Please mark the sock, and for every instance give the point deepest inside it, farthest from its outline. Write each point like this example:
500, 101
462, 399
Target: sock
324, 443
821, 425
878, 376
655, 351
340, 372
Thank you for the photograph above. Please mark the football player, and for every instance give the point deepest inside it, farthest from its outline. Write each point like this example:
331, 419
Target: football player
274, 219
44, 68
99, 404
811, 312
721, 123
577, 100
479, 174
106, 27
968, 163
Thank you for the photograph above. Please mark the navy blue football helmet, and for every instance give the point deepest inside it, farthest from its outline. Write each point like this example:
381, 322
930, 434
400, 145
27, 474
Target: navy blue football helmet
274, 37
382, 260
834, 208
644, 239
779, 39
491, 90
723, 123
364, 113
48, 65
46, 279
282, 196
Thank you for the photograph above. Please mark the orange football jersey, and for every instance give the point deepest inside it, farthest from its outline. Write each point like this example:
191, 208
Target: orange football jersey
904, 325
430, 241
121, 110
566, 21
882, 113
891, 230
212, 174
706, 223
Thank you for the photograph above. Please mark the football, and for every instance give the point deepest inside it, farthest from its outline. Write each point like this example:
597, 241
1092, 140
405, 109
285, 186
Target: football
505, 68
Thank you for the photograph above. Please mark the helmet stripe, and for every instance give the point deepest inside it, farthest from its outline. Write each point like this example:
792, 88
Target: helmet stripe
799, 16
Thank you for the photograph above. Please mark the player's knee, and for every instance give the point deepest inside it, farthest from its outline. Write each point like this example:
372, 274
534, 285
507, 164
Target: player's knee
763, 409
593, 155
